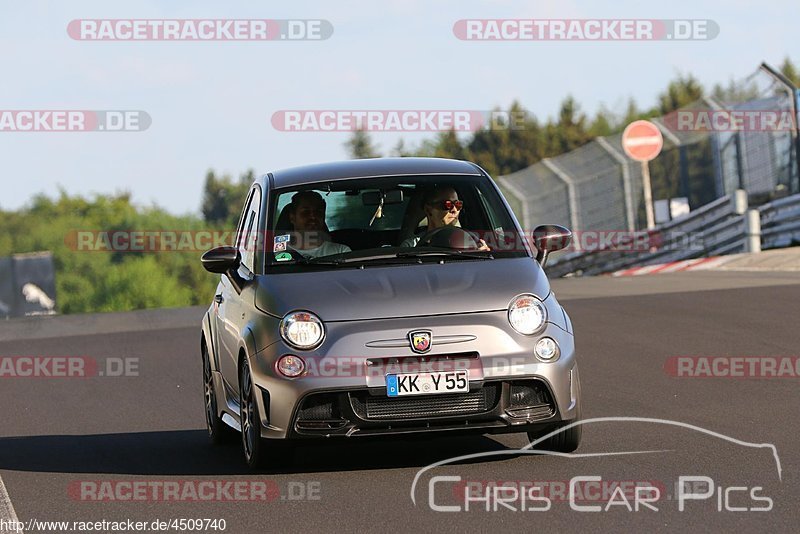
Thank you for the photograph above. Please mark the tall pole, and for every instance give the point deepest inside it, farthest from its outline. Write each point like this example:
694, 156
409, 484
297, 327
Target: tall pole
792, 92
648, 196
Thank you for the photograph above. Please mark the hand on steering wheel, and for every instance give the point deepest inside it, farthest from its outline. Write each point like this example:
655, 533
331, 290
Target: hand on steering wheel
452, 237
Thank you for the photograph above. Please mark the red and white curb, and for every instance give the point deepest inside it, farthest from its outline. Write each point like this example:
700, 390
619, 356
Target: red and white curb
697, 264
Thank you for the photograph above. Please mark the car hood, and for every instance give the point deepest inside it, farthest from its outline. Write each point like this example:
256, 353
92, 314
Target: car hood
461, 286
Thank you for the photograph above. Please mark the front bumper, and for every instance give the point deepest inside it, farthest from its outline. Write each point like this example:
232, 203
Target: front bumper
350, 399
494, 407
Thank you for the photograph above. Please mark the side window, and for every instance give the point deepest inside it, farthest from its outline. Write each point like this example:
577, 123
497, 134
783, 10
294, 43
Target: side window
488, 209
240, 230
249, 238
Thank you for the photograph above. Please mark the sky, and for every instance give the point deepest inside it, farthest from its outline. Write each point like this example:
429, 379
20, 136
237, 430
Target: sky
211, 102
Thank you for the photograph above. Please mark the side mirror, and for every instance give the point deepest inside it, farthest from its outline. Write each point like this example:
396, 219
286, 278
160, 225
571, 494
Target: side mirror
549, 238
221, 259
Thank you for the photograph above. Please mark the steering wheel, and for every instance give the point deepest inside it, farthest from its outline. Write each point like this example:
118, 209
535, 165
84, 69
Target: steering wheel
452, 237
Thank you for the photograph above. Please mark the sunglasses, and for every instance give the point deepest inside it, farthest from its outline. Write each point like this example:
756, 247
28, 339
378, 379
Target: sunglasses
448, 205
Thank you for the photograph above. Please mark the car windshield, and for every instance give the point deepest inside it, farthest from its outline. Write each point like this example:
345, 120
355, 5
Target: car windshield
399, 220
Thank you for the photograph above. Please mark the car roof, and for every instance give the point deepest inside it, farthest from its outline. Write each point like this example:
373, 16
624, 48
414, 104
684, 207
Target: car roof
370, 168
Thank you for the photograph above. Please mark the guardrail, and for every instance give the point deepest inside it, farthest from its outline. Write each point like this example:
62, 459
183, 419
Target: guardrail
780, 222
724, 226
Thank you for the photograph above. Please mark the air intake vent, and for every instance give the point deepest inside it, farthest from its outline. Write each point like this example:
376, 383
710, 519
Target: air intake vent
424, 407
530, 399
319, 407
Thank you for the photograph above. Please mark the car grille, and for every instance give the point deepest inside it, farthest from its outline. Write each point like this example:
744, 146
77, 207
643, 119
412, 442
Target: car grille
317, 407
383, 408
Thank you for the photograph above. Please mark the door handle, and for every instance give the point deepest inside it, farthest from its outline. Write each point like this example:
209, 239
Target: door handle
218, 299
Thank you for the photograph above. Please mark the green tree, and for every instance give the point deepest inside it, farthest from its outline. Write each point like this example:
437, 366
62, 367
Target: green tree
735, 92
791, 71
360, 146
521, 143
215, 201
449, 146
602, 124
90, 280
569, 131
223, 198
680, 92
484, 149
632, 113
400, 150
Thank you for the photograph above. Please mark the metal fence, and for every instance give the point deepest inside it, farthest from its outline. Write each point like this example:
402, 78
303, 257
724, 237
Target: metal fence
780, 222
597, 188
725, 226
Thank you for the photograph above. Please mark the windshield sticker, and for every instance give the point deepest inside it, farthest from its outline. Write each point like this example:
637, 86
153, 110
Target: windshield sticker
283, 256
281, 242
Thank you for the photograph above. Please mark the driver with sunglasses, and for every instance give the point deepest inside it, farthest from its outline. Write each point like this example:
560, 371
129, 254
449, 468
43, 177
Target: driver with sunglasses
442, 208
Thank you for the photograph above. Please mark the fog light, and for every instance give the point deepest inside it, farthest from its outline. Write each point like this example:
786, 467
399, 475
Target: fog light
291, 366
546, 349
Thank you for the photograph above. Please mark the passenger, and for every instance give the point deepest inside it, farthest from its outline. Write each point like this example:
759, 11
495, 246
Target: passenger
311, 238
442, 208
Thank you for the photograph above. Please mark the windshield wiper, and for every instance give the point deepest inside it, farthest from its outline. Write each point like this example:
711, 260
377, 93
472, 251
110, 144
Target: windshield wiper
317, 261
484, 255
417, 255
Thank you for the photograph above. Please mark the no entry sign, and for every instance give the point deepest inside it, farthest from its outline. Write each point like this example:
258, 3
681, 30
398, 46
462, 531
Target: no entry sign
642, 140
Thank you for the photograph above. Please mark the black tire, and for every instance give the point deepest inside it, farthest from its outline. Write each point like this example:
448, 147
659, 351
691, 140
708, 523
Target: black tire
218, 431
565, 441
253, 444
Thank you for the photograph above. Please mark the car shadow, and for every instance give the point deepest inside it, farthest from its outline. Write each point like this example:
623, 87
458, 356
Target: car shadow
188, 452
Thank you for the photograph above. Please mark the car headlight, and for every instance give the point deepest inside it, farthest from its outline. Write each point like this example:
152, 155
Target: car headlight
302, 330
527, 314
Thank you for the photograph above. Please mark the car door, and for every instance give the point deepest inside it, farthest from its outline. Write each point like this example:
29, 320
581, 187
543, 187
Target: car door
232, 293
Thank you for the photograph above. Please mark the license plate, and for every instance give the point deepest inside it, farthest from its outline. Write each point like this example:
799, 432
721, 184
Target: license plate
398, 385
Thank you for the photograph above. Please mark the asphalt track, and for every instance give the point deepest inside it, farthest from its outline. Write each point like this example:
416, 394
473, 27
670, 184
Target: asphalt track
57, 432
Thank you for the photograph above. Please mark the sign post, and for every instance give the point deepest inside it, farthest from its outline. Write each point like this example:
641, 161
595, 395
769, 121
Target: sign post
642, 141
648, 196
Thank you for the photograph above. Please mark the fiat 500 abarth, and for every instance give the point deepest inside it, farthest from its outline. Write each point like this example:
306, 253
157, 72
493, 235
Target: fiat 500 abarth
385, 296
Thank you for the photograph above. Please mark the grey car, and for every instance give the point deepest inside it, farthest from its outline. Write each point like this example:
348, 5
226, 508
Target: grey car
385, 296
